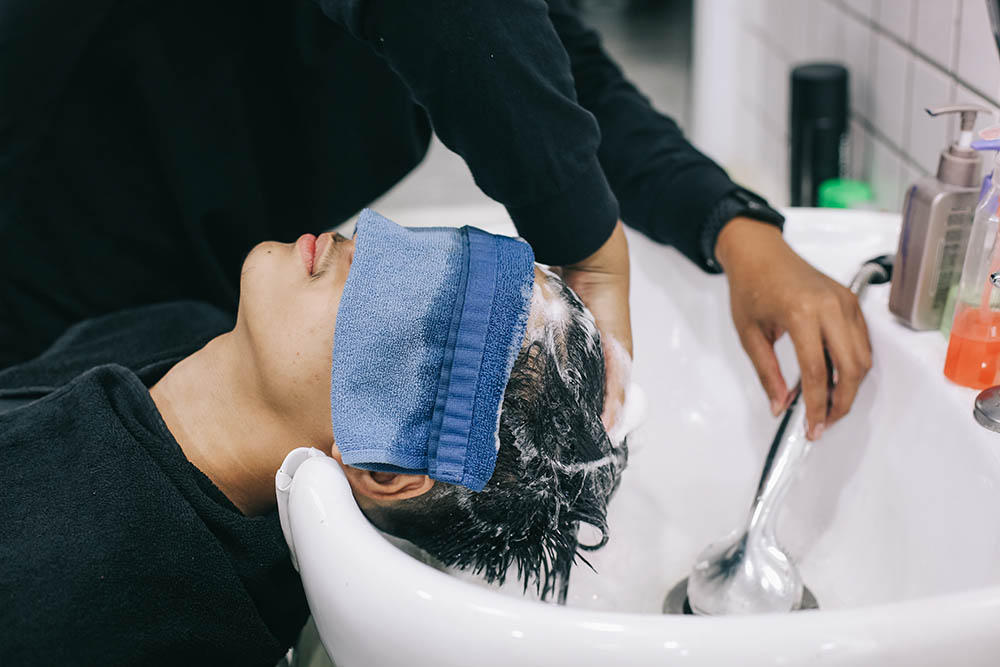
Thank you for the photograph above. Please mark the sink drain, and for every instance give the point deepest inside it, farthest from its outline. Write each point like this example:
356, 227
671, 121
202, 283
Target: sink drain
676, 601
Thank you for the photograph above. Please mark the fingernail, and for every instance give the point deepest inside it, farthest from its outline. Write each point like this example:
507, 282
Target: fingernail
775, 407
817, 431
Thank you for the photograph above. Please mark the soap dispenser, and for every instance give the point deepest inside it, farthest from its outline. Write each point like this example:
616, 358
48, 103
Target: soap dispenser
937, 217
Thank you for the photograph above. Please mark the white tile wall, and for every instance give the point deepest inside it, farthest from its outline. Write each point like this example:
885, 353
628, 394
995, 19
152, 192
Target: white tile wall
931, 88
903, 56
860, 151
776, 147
858, 39
865, 8
934, 33
825, 31
978, 62
896, 18
775, 91
793, 20
890, 102
755, 13
753, 53
886, 177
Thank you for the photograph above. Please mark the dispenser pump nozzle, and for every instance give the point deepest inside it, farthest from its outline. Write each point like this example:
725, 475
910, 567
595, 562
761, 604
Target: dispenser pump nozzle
959, 164
968, 119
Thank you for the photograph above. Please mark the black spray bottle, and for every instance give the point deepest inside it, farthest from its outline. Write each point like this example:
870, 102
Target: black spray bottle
818, 126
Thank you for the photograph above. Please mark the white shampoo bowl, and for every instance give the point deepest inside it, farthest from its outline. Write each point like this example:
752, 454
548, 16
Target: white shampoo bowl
895, 521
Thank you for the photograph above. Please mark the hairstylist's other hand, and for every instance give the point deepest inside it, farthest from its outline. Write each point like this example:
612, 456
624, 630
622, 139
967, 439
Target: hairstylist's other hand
772, 290
601, 281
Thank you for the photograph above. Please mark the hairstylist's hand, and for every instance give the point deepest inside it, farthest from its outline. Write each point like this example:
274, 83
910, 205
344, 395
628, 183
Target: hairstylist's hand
601, 281
773, 290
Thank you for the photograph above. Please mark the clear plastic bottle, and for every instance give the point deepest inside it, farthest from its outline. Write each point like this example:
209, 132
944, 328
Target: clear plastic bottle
974, 344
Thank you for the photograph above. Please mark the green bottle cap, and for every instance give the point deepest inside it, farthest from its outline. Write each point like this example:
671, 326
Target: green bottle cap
843, 193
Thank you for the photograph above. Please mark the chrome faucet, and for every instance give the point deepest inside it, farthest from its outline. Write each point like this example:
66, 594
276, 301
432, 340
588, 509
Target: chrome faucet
749, 573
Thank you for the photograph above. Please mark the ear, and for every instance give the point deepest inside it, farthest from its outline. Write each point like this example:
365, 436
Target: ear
387, 486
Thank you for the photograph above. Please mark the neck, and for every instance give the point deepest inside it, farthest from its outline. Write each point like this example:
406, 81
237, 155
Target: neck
214, 408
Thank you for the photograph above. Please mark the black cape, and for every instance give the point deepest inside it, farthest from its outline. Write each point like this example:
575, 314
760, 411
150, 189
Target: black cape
114, 548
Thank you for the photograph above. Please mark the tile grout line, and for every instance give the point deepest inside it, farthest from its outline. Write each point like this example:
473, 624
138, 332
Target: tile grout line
877, 134
950, 73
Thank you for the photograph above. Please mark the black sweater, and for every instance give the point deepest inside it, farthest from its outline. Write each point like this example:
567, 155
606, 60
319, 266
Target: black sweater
145, 147
114, 548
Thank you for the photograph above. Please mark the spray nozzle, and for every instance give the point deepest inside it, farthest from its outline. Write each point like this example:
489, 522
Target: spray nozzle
989, 139
968, 119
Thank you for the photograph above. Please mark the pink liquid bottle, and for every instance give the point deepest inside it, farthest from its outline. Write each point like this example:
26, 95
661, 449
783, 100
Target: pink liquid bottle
973, 358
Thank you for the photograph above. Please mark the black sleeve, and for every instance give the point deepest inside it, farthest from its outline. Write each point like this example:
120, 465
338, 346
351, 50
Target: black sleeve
40, 44
496, 83
667, 189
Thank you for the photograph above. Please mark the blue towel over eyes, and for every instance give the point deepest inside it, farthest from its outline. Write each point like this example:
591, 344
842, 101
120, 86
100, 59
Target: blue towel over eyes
428, 328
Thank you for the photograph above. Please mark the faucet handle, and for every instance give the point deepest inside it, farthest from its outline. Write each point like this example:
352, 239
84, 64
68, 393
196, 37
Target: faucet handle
987, 408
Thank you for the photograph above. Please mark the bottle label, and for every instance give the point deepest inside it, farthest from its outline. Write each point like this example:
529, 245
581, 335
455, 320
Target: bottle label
952, 250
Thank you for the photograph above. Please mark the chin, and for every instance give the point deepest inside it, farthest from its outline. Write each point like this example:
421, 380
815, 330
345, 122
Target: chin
265, 249
262, 276
268, 260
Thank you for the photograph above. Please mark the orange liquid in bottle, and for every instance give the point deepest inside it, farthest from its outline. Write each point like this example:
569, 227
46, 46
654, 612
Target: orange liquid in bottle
974, 349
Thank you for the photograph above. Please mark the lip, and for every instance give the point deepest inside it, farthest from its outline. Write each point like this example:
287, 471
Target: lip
307, 250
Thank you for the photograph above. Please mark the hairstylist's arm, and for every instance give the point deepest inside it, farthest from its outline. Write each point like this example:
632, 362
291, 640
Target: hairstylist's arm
601, 280
772, 290
495, 81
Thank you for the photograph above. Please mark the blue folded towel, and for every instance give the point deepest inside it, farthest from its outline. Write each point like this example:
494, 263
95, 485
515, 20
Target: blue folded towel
429, 325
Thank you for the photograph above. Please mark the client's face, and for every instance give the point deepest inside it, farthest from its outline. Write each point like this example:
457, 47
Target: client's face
289, 296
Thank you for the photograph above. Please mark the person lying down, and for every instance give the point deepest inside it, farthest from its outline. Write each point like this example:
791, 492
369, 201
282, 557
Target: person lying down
459, 385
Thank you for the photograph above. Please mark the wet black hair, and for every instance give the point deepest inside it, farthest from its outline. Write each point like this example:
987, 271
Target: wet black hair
556, 467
